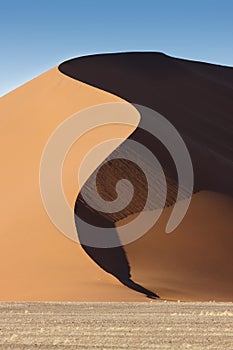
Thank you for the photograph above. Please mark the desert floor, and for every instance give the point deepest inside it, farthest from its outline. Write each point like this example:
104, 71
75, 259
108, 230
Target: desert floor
147, 325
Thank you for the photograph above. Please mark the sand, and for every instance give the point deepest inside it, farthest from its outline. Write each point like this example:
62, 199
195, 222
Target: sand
195, 97
116, 326
195, 261
38, 263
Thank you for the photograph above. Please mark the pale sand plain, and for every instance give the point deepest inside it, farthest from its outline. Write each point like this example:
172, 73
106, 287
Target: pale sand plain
155, 325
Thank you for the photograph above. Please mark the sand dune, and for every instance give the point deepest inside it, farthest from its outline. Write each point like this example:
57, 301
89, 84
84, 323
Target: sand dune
194, 262
195, 97
37, 262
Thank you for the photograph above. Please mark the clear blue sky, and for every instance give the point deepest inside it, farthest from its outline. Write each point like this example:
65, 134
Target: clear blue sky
36, 35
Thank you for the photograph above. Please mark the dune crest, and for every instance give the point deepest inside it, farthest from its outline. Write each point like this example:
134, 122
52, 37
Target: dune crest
38, 263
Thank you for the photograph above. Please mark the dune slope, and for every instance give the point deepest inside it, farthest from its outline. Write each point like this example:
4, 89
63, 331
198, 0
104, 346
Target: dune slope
37, 262
194, 262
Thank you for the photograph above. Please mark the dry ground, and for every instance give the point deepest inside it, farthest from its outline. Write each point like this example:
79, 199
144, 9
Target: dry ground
150, 325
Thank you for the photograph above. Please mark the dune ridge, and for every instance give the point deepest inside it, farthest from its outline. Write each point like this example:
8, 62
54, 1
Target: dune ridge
197, 98
195, 262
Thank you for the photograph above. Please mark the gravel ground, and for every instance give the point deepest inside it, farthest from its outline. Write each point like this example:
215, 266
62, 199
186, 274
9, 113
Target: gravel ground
151, 325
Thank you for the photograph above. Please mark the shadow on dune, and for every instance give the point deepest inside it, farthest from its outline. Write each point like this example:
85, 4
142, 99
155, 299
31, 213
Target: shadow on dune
195, 97
111, 260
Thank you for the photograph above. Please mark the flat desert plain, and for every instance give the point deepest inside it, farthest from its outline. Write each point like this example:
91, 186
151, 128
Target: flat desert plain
153, 325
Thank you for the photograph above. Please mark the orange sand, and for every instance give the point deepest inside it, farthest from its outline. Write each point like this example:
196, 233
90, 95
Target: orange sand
38, 263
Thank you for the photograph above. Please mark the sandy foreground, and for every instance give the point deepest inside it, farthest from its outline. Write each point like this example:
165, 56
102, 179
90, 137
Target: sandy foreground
154, 325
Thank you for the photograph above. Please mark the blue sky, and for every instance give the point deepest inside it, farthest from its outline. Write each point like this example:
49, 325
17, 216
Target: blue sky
37, 35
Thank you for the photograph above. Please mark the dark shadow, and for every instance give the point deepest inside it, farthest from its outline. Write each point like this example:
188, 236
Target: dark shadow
195, 97
111, 260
